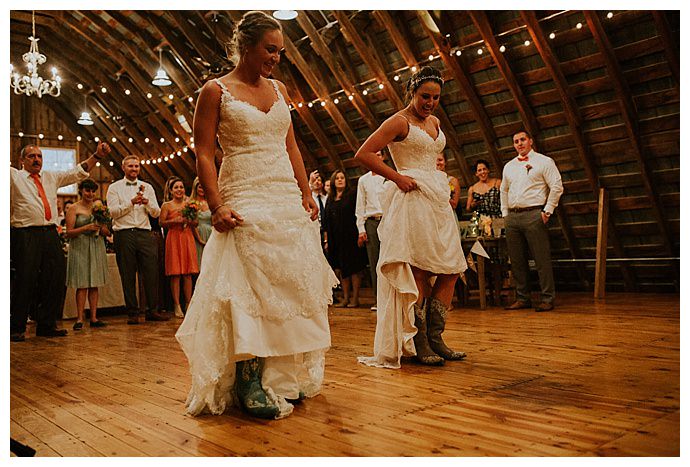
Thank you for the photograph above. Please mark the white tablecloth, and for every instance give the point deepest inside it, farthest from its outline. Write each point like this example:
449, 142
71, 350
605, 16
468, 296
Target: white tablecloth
110, 295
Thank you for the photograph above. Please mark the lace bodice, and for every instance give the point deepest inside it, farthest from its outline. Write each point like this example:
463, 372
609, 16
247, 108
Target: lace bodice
253, 143
418, 150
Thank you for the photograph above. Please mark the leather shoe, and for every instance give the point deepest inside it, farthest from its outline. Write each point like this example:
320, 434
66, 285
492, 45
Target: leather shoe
157, 316
519, 305
51, 332
544, 306
17, 337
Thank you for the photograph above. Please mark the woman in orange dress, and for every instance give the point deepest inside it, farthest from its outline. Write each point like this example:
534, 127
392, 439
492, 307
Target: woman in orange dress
180, 250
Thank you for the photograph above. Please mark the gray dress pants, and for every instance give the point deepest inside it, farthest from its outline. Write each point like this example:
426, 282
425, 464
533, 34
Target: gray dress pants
526, 230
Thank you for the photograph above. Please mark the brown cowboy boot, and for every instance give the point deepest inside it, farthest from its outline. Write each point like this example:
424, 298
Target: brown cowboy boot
436, 318
425, 355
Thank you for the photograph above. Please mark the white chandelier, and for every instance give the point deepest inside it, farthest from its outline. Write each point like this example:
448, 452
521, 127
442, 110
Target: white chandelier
32, 83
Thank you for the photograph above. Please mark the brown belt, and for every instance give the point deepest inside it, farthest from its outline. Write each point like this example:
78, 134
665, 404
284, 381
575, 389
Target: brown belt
529, 208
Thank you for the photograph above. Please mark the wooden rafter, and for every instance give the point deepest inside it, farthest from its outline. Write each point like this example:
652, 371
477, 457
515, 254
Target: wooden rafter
462, 79
336, 69
157, 127
321, 92
574, 120
664, 31
631, 121
481, 22
203, 47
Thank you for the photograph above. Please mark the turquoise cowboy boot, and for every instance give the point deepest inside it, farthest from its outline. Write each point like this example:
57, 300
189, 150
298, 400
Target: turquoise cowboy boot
250, 393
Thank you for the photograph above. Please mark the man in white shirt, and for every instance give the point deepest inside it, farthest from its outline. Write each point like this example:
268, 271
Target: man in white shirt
320, 196
530, 191
368, 212
131, 202
37, 261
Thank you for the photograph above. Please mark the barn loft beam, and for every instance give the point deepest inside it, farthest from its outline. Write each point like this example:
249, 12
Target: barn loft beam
336, 69
631, 121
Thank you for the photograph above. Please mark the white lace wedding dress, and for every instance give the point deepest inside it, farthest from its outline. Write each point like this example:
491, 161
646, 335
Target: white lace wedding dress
418, 229
265, 286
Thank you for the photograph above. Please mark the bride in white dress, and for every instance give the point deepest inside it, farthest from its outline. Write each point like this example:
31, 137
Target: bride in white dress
256, 330
418, 232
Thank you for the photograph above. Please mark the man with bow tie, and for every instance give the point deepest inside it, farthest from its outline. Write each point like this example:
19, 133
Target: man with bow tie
530, 191
131, 202
320, 197
37, 261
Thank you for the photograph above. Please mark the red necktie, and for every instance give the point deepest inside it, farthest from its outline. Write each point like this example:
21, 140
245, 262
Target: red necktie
42, 194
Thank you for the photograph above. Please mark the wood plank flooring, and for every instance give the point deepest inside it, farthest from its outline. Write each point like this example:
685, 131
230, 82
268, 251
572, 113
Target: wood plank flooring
591, 378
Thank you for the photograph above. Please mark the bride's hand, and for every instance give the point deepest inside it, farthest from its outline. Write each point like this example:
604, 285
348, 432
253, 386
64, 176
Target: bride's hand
225, 219
310, 206
406, 183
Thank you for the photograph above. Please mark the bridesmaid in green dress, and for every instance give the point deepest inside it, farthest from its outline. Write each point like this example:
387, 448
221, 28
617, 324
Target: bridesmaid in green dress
87, 267
203, 231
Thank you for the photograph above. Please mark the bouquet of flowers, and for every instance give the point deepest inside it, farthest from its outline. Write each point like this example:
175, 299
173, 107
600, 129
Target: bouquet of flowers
191, 210
100, 212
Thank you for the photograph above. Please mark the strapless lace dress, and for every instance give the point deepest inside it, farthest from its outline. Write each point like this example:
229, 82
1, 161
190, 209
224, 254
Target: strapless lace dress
418, 229
265, 286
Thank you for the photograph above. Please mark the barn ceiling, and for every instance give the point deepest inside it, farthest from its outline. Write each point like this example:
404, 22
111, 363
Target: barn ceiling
599, 91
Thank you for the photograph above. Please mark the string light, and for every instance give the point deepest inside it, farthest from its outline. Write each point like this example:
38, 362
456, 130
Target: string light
480, 51
149, 95
131, 140
96, 139
431, 57
552, 35
171, 96
146, 140
396, 78
609, 15
80, 86
190, 99
502, 48
128, 92
21, 134
60, 137
113, 139
336, 100
323, 103
78, 138
365, 92
310, 105
527, 43
578, 25
380, 85
40, 136
104, 90
350, 97
162, 140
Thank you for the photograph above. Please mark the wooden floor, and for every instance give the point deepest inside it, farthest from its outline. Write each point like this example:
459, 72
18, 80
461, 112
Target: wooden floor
588, 379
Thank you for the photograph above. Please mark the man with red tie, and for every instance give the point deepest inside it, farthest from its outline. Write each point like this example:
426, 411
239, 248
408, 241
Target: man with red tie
530, 191
37, 261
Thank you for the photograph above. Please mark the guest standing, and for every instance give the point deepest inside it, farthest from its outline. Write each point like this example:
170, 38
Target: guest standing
180, 252
485, 195
530, 192
344, 254
368, 212
37, 260
419, 237
320, 197
87, 263
131, 201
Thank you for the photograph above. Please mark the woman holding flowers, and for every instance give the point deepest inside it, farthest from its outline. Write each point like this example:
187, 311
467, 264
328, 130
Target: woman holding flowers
87, 267
179, 216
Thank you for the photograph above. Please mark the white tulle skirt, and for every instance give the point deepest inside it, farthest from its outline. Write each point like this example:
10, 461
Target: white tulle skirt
417, 229
263, 290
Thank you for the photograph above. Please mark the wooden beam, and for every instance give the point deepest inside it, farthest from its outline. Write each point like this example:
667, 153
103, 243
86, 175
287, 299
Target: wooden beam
203, 47
322, 49
574, 120
602, 235
481, 22
405, 50
321, 92
664, 31
631, 120
307, 116
465, 84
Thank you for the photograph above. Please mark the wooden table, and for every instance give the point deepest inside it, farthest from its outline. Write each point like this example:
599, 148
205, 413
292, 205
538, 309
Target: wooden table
467, 243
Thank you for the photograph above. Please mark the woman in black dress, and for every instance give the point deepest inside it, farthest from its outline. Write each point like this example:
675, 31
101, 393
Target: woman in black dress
346, 258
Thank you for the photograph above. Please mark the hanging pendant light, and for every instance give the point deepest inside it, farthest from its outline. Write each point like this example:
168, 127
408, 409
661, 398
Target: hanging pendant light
285, 15
161, 78
85, 118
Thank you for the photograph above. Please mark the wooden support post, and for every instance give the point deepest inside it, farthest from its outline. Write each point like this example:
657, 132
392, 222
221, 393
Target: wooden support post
481, 274
602, 234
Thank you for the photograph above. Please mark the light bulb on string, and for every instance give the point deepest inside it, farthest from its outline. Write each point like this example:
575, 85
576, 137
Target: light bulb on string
502, 48
527, 43
552, 35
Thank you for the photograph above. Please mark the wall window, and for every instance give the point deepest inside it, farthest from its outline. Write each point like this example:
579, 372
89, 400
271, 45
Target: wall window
58, 160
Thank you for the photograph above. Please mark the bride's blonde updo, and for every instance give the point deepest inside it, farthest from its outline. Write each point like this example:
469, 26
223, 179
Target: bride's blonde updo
249, 31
